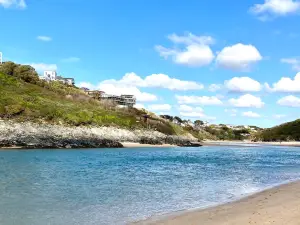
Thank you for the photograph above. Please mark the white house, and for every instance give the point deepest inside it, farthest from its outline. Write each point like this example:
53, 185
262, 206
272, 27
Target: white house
1, 59
50, 75
68, 81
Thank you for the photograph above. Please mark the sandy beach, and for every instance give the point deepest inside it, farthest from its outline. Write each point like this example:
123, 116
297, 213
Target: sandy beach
138, 145
277, 206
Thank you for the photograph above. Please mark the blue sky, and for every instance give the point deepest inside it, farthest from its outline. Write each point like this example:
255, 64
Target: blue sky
208, 59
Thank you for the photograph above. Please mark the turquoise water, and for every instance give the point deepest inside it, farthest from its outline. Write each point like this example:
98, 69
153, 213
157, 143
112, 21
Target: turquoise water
116, 186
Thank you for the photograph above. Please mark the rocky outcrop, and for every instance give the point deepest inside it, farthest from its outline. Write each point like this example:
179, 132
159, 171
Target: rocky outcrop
33, 135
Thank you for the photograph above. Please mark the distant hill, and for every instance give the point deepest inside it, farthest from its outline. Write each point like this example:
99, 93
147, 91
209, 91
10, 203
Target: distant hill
285, 132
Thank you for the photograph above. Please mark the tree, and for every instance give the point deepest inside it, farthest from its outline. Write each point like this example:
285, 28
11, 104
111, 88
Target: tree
167, 117
198, 123
178, 119
8, 68
26, 73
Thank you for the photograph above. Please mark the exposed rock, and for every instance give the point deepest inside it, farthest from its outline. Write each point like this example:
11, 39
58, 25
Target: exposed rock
33, 135
191, 144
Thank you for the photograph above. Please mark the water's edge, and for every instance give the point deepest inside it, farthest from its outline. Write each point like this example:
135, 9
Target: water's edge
165, 216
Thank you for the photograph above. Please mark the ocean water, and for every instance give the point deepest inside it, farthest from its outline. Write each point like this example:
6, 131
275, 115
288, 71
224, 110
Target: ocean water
117, 186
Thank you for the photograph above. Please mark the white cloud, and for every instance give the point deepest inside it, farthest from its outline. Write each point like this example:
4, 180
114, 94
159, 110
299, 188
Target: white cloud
119, 89
238, 57
187, 108
232, 112
13, 3
193, 112
156, 80
201, 100
294, 62
160, 107
190, 39
196, 51
272, 8
139, 106
43, 38
197, 115
251, 114
242, 84
86, 85
286, 84
247, 101
71, 60
214, 87
291, 101
41, 67
279, 116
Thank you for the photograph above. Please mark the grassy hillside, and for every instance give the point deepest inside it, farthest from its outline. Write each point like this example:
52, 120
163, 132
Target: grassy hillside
25, 97
285, 132
60, 104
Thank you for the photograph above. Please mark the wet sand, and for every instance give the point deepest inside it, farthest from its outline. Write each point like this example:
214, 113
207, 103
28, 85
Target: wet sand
277, 206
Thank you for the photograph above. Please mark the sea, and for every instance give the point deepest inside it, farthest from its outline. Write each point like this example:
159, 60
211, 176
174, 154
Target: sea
120, 186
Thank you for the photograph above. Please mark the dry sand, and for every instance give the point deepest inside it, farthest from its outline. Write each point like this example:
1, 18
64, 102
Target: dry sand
138, 145
276, 206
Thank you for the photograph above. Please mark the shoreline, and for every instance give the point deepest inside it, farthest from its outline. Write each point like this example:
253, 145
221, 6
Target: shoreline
274, 205
203, 143
250, 143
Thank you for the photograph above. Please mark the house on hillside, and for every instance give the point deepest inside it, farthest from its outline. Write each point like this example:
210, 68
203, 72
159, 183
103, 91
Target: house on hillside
122, 100
51, 75
1, 59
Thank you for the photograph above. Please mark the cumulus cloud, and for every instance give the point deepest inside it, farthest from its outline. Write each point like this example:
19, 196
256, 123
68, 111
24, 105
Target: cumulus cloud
201, 100
71, 60
193, 112
294, 62
41, 67
247, 101
130, 84
279, 116
196, 50
187, 108
160, 107
286, 84
140, 106
13, 3
231, 112
156, 80
243, 84
251, 114
273, 8
238, 57
214, 87
291, 101
119, 89
43, 38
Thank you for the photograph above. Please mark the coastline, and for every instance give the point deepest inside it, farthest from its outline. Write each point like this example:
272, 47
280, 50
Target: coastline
139, 145
128, 144
245, 143
277, 205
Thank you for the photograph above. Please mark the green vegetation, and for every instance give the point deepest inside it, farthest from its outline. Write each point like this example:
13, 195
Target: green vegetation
25, 97
284, 132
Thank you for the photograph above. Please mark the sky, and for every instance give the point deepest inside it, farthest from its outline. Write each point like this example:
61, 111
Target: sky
222, 61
